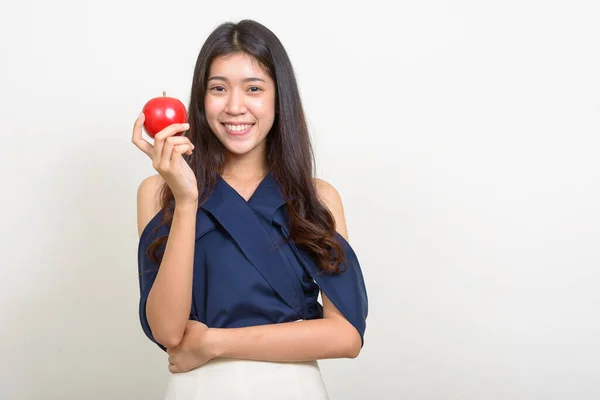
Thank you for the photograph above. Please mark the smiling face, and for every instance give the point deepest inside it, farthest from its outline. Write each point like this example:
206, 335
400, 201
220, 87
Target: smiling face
240, 103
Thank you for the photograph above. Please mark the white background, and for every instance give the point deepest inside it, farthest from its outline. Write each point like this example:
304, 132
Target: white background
462, 136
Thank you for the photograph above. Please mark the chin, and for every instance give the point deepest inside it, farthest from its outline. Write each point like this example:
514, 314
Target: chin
243, 147
239, 150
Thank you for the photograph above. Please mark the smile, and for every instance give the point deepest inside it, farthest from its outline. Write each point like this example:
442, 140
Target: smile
238, 129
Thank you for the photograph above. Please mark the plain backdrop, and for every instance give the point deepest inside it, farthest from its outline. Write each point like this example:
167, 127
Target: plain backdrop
462, 136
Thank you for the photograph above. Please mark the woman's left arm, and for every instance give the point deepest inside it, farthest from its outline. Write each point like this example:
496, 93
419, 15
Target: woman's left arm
329, 337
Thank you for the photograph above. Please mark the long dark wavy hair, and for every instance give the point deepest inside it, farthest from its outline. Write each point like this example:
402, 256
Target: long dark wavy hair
289, 150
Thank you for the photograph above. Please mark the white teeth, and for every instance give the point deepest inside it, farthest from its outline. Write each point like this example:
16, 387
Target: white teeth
237, 128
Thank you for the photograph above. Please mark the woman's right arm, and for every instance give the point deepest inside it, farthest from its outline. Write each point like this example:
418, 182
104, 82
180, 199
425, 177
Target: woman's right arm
170, 298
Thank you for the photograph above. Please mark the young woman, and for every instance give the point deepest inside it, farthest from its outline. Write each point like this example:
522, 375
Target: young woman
238, 239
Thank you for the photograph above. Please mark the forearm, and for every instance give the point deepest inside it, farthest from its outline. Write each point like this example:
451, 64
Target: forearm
170, 299
286, 342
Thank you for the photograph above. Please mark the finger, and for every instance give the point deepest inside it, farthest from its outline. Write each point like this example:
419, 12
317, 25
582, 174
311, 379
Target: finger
186, 150
137, 138
172, 150
173, 369
182, 149
171, 130
160, 138
168, 152
177, 140
171, 155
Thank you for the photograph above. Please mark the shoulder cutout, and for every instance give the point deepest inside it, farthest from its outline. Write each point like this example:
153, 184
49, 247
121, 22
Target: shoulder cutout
148, 200
332, 200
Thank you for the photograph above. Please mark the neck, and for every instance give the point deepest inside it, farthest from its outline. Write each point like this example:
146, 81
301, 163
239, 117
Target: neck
246, 167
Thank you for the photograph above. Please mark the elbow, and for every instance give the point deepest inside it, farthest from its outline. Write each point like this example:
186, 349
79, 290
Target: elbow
354, 342
168, 340
354, 347
166, 333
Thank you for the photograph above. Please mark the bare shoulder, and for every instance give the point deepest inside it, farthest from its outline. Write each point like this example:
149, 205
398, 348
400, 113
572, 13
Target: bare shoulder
329, 195
148, 200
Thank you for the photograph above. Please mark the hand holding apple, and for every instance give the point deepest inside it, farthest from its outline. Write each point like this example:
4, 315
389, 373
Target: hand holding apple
167, 158
161, 112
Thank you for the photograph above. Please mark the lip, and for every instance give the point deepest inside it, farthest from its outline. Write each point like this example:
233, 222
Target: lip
237, 133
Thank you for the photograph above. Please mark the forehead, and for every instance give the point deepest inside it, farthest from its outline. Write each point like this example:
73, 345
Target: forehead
237, 66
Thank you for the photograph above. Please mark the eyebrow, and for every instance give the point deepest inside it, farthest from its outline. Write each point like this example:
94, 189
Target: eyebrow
222, 78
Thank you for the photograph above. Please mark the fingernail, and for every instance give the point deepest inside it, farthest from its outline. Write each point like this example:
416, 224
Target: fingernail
186, 125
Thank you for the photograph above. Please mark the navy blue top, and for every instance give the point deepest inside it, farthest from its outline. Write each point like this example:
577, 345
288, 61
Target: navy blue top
246, 273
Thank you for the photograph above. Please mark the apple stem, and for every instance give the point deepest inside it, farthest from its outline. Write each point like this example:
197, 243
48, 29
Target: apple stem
164, 93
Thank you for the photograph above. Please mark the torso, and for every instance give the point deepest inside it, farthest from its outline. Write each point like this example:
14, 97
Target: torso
246, 274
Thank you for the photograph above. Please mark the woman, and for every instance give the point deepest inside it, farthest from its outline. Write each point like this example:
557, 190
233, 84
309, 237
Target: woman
253, 238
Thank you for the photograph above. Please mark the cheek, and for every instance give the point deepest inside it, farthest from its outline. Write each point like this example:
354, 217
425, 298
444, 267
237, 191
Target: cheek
264, 108
212, 107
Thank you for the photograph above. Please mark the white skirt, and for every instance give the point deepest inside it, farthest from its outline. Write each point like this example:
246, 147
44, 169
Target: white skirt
233, 379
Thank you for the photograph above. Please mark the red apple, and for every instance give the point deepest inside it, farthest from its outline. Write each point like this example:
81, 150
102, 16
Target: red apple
161, 112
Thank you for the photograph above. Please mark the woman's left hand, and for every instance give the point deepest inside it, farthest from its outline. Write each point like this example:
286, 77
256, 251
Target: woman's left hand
194, 349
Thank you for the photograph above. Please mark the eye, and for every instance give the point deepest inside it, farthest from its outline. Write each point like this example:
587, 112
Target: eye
218, 88
254, 89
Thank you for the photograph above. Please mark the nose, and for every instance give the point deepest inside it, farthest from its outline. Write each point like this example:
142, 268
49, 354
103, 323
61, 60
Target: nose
236, 103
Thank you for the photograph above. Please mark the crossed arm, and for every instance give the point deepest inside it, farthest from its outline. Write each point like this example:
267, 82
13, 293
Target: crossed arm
329, 337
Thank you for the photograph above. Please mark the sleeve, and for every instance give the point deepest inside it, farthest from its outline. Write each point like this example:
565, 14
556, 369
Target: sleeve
346, 290
147, 271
